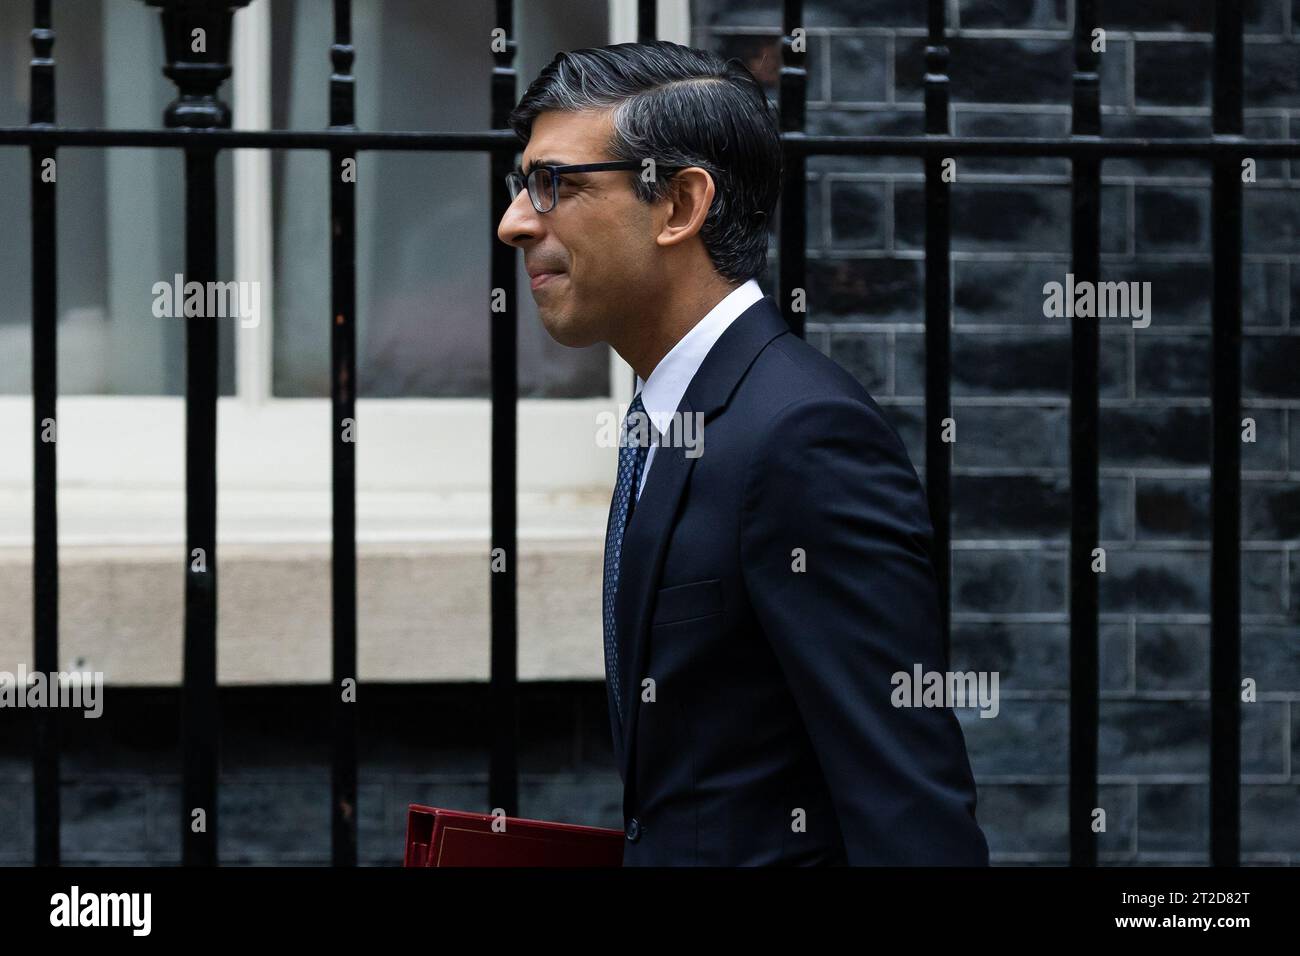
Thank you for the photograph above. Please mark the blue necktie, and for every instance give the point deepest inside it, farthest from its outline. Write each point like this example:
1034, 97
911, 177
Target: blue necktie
631, 461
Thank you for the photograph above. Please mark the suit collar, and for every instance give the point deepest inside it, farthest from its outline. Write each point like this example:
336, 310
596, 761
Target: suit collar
730, 358
646, 538
662, 392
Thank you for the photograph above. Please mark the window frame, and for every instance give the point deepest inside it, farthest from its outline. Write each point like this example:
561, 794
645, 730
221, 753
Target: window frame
118, 483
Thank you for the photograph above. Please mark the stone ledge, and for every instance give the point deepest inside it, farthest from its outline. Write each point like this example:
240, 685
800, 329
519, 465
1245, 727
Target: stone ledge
422, 611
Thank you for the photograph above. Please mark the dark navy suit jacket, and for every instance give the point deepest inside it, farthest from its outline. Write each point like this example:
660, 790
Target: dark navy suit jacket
759, 727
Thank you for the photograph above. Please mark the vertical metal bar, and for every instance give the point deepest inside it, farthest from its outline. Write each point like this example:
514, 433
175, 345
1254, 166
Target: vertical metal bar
503, 774
647, 20
794, 177
198, 72
343, 483
938, 317
1084, 437
199, 708
647, 28
45, 554
1225, 463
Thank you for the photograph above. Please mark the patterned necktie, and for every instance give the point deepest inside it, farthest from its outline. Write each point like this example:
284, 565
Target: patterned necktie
631, 461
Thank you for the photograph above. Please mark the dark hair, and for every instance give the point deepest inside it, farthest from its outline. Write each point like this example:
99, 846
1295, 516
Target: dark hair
681, 107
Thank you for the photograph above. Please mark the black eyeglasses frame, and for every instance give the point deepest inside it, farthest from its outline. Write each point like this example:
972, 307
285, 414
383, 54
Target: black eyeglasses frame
516, 180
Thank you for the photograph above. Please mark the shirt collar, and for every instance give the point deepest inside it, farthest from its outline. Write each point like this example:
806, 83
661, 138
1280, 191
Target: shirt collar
662, 393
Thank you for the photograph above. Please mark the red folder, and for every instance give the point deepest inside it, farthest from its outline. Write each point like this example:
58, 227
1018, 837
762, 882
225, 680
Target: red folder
438, 837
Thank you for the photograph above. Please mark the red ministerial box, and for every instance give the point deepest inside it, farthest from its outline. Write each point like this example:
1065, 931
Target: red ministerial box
438, 837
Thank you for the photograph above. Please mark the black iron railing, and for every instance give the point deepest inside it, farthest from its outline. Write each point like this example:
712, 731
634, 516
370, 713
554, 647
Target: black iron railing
198, 124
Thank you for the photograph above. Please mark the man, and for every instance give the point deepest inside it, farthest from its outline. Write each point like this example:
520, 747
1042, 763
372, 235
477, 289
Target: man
761, 587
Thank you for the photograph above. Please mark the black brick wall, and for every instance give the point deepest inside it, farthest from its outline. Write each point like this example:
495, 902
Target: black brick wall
1010, 69
418, 744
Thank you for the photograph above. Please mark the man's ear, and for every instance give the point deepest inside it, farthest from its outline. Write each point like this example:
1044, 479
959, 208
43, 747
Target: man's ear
690, 194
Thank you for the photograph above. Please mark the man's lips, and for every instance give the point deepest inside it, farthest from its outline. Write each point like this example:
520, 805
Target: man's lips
540, 278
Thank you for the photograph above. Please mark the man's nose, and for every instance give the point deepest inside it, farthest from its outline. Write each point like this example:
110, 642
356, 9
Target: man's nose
520, 224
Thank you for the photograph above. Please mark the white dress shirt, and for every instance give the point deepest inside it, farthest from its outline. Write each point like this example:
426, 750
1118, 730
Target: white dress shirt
663, 391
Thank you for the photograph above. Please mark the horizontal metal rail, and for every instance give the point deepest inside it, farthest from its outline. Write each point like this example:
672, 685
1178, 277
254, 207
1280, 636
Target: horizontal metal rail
1080, 147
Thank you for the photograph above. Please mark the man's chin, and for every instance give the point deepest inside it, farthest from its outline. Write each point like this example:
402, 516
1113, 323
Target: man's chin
566, 333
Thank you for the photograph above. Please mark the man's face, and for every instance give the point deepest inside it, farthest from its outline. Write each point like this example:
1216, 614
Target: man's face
591, 258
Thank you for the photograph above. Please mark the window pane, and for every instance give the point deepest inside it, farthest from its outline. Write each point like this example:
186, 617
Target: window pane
120, 211
424, 224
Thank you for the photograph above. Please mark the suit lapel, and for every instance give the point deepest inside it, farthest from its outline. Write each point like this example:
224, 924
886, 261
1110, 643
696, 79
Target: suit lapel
650, 527
644, 544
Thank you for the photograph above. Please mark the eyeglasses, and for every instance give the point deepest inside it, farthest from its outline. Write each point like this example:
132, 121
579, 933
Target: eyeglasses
542, 182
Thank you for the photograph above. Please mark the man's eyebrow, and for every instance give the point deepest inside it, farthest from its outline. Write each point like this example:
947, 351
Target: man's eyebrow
543, 161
